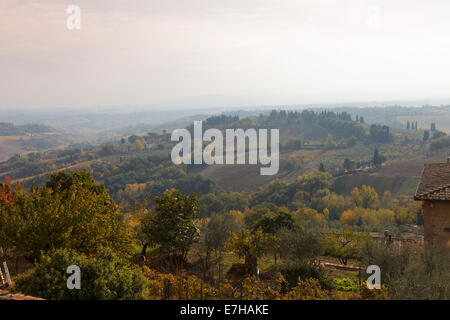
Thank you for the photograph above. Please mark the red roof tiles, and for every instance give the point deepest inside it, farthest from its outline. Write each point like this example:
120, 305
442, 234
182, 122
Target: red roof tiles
434, 183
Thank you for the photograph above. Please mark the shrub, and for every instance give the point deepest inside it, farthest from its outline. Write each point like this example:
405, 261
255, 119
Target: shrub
345, 285
424, 278
391, 260
411, 276
304, 270
103, 277
299, 245
309, 289
345, 246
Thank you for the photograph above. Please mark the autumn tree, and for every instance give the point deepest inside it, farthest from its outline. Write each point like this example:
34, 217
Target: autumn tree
70, 212
8, 197
138, 218
386, 200
62, 181
140, 144
365, 197
218, 230
345, 246
311, 215
312, 188
300, 245
273, 222
215, 234
313, 183
172, 227
210, 204
352, 216
251, 246
336, 204
329, 142
368, 217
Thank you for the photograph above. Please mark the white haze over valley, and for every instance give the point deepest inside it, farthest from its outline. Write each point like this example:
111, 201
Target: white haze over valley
188, 54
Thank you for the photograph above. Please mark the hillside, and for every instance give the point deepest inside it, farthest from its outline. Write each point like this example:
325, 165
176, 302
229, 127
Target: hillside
20, 139
397, 116
307, 140
335, 171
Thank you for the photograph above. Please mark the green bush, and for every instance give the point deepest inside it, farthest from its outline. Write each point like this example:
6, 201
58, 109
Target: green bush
303, 270
345, 285
424, 278
408, 275
391, 260
103, 277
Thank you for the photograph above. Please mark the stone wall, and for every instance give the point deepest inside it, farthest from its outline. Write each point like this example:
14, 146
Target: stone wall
437, 223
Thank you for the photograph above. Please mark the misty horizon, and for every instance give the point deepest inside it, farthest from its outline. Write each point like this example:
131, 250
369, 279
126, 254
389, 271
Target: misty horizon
216, 55
217, 104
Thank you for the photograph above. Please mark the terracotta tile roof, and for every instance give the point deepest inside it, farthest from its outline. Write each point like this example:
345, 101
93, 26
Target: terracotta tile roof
434, 183
6, 295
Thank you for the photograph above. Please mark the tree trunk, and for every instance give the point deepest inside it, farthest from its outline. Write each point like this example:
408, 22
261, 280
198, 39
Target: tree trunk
251, 262
143, 254
144, 250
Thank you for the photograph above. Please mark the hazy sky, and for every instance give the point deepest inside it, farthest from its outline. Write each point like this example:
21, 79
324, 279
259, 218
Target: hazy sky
146, 51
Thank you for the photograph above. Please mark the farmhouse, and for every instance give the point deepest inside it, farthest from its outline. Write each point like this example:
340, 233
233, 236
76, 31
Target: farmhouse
434, 191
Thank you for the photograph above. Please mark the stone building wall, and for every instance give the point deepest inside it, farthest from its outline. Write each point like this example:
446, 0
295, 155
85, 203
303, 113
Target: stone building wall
437, 223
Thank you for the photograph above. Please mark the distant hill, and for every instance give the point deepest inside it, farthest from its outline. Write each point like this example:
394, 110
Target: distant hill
139, 155
9, 129
91, 123
397, 116
19, 139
